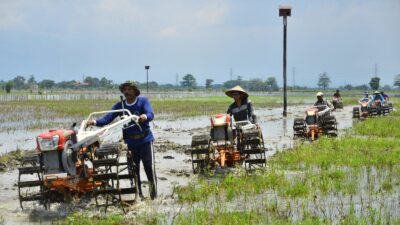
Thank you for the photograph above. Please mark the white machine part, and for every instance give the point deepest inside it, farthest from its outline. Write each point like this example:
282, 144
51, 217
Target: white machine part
109, 133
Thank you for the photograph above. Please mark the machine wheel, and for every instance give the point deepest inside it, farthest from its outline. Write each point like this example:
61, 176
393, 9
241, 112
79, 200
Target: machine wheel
298, 128
390, 105
330, 126
252, 148
356, 112
385, 110
30, 181
373, 111
201, 152
114, 178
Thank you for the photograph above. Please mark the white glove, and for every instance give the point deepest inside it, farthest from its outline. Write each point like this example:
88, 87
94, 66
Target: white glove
320, 113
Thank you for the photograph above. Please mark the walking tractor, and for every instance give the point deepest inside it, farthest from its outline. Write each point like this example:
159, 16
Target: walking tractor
363, 111
312, 126
229, 144
70, 163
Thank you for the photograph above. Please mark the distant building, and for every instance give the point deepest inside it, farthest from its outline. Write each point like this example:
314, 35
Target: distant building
81, 84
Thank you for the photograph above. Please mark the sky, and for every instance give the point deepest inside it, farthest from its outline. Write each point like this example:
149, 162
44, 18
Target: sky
66, 40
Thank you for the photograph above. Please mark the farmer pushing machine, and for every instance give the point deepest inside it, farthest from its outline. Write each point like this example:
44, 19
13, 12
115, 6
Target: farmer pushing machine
234, 138
71, 163
317, 121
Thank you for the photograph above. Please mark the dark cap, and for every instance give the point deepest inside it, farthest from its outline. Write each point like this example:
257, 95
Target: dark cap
131, 84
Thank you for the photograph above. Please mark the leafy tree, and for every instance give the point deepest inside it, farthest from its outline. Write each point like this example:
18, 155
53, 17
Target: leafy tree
348, 87
363, 87
153, 85
324, 80
374, 83
232, 83
9, 85
397, 81
46, 84
19, 82
272, 84
209, 83
93, 82
254, 85
31, 80
66, 84
189, 81
106, 83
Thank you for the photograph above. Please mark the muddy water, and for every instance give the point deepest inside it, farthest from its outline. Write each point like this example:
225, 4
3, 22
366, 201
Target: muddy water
173, 166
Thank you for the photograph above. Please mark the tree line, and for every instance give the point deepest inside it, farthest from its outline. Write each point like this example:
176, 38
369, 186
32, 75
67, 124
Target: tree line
188, 82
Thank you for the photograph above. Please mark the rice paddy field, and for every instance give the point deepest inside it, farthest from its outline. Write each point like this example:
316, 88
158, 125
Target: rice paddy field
353, 179
43, 113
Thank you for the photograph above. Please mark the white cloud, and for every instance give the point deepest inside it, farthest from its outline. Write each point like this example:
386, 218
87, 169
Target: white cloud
212, 13
10, 16
171, 31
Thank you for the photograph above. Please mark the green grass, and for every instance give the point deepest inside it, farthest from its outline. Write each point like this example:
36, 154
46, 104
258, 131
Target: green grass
381, 127
349, 151
79, 219
311, 174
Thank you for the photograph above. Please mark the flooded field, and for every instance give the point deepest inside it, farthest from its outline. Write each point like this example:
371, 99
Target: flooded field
172, 159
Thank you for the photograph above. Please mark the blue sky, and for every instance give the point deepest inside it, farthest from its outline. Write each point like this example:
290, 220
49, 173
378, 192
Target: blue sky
64, 40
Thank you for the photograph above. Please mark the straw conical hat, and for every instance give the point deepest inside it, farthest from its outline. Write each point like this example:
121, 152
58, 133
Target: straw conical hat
236, 89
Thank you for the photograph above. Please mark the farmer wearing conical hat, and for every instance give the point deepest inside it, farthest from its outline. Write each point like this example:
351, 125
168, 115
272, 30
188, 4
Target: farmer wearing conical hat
242, 108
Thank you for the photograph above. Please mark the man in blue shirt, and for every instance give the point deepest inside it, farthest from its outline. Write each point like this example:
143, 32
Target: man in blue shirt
378, 96
139, 141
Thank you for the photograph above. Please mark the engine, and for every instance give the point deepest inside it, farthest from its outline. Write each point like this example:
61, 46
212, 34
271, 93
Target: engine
221, 129
55, 155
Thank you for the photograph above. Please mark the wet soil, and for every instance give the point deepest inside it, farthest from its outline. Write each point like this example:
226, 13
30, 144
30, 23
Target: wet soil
173, 163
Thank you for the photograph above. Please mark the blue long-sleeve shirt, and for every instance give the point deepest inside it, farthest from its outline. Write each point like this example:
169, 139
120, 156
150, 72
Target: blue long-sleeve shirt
379, 97
139, 107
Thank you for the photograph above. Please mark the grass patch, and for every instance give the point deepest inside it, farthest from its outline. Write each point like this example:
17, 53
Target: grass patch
79, 219
349, 151
381, 126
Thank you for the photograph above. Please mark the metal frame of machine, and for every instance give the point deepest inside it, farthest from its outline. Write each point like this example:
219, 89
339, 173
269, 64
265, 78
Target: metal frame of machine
229, 144
312, 126
70, 163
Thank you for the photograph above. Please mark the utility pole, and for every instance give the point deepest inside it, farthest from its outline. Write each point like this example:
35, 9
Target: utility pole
176, 80
284, 11
147, 67
230, 73
294, 78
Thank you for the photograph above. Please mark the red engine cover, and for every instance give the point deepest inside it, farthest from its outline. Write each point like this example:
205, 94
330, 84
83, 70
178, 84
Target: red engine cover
63, 134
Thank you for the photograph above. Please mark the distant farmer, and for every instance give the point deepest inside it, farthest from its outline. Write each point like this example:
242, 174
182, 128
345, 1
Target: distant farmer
366, 99
140, 142
378, 96
385, 96
324, 106
242, 108
337, 94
